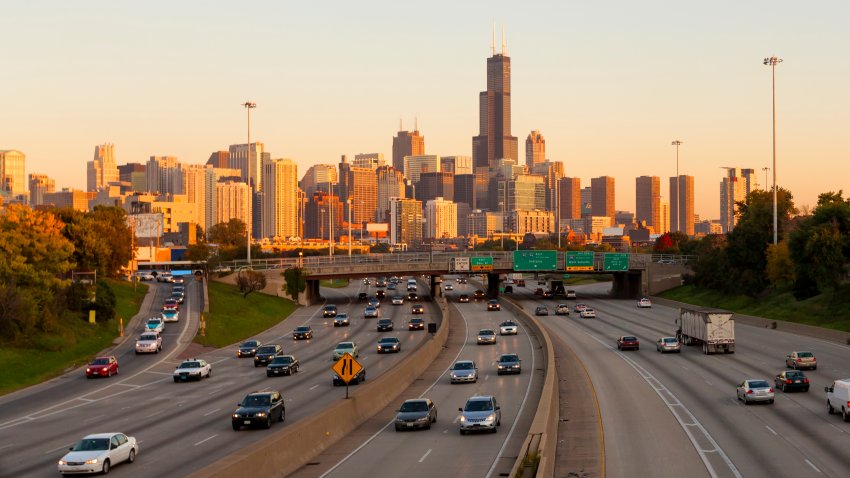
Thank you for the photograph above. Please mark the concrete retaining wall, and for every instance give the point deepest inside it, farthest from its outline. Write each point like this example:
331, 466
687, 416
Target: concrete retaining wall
293, 447
830, 335
543, 434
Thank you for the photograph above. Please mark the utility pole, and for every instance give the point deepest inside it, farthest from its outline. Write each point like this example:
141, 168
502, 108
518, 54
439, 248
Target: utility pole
765, 169
772, 62
249, 106
330, 218
350, 237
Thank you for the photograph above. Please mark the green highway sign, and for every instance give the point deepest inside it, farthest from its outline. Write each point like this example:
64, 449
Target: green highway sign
535, 260
616, 261
480, 264
579, 260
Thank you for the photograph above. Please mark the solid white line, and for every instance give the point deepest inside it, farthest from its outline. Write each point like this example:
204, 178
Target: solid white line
771, 430
425, 455
6, 446
313, 387
63, 447
205, 439
813, 466
211, 412
89, 419
154, 414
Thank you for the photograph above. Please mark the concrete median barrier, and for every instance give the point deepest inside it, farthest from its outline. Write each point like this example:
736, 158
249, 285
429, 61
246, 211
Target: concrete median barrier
294, 446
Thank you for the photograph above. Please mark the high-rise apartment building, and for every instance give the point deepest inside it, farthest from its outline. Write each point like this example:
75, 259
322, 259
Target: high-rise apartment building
358, 191
164, 175
648, 201
535, 149
135, 174
319, 177
663, 218
211, 178
525, 192
233, 201
434, 185
407, 143
735, 187
682, 205
322, 211
485, 223
369, 160
602, 202
13, 179
494, 140
440, 219
390, 185
524, 222
405, 221
40, 184
569, 195
219, 159
465, 189
552, 172
280, 199
586, 201
456, 164
250, 162
69, 198
194, 187
416, 165
103, 169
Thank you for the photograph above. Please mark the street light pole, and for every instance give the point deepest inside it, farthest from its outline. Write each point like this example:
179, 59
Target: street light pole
772, 62
330, 219
558, 211
249, 106
677, 143
350, 237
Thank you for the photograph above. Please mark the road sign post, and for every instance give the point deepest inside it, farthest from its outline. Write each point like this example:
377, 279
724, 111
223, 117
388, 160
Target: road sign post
346, 369
616, 262
481, 264
535, 260
579, 261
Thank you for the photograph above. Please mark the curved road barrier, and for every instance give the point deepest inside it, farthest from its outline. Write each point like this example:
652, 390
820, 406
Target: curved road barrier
285, 452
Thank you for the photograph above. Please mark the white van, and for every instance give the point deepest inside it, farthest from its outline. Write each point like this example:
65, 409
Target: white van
411, 285
838, 398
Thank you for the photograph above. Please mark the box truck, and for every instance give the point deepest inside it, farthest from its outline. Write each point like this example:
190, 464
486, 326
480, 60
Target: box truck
713, 328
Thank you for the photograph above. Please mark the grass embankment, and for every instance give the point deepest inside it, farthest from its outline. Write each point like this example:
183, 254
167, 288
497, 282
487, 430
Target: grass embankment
72, 344
334, 283
830, 310
578, 279
232, 318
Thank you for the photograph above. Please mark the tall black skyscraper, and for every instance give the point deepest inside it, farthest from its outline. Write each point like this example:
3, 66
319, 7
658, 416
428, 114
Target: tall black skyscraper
494, 140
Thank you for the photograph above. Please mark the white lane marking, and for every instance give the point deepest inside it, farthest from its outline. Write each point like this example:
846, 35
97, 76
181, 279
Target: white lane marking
445, 431
486, 377
91, 419
211, 412
6, 446
154, 414
63, 447
672, 402
771, 430
425, 455
313, 387
812, 465
205, 439
465, 340
86, 399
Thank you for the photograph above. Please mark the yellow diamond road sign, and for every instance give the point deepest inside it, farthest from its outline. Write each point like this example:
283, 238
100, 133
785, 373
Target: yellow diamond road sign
347, 368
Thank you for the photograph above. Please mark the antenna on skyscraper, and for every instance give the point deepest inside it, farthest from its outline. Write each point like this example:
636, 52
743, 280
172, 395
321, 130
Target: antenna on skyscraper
493, 41
400, 124
504, 45
415, 123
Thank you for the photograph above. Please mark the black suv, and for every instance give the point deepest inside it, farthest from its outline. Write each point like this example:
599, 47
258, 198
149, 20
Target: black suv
385, 325
266, 353
329, 311
362, 296
259, 408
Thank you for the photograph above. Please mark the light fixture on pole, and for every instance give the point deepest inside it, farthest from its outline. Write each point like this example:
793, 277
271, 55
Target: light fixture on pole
772, 62
677, 143
766, 182
249, 106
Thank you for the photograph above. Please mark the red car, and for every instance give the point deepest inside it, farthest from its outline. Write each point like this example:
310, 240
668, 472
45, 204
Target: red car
171, 304
628, 342
102, 367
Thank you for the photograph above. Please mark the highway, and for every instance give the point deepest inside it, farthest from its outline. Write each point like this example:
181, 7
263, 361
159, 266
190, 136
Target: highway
182, 427
677, 415
442, 451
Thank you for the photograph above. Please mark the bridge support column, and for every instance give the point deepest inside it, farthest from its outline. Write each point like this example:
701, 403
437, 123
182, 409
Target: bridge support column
627, 285
432, 284
492, 285
311, 294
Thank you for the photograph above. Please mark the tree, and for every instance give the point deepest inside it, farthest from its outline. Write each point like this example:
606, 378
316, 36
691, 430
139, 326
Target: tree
780, 267
229, 234
249, 281
296, 281
102, 239
199, 252
820, 246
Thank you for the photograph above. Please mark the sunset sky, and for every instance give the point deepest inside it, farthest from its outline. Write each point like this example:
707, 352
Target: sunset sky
609, 84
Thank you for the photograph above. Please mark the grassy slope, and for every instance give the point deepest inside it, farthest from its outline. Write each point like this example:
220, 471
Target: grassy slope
232, 318
830, 310
334, 283
71, 345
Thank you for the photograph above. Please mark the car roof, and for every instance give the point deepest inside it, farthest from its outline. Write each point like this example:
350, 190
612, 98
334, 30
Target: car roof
103, 435
465, 361
485, 331
480, 398
390, 339
417, 400
344, 343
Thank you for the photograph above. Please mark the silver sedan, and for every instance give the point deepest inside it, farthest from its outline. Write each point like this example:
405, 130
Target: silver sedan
755, 390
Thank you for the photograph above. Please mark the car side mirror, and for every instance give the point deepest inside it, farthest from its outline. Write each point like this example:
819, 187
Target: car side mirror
827, 389
460, 409
498, 407
70, 448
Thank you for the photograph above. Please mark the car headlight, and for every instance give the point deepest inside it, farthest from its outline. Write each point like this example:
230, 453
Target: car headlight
235, 415
491, 417
426, 418
462, 419
88, 370
453, 375
261, 414
62, 462
501, 366
93, 461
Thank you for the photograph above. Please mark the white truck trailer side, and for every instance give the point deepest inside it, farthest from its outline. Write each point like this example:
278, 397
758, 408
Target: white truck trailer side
713, 328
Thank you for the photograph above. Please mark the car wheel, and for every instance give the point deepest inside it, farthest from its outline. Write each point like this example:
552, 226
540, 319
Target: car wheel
105, 469
397, 428
236, 427
108, 373
494, 430
209, 374
428, 426
815, 367
176, 380
268, 423
435, 418
829, 408
132, 457
844, 415
462, 431
771, 401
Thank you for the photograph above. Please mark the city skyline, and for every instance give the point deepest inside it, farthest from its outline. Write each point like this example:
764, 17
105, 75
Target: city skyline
608, 93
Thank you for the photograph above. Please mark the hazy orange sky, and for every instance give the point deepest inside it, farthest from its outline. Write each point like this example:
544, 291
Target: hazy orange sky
609, 84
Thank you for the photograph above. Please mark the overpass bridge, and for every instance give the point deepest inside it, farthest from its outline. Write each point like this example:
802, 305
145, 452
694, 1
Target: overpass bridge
634, 274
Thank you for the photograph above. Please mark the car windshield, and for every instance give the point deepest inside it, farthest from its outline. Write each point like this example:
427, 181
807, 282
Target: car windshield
389, 340
267, 349
629, 339
417, 406
507, 324
302, 329
345, 345
251, 343
486, 332
805, 354
100, 361
415, 321
463, 366
330, 307
256, 401
509, 358
190, 365
284, 360
153, 321
342, 316
794, 374
91, 444
758, 384
669, 340
148, 337
478, 406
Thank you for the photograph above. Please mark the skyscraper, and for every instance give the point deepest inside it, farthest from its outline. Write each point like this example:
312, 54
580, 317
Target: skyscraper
735, 187
40, 184
320, 209
602, 202
440, 219
407, 143
569, 196
319, 177
494, 140
280, 198
456, 164
648, 200
416, 165
194, 187
535, 149
552, 172
164, 175
369, 160
219, 159
437, 184
390, 185
233, 201
135, 174
250, 162
358, 191
102, 170
405, 221
465, 189
682, 209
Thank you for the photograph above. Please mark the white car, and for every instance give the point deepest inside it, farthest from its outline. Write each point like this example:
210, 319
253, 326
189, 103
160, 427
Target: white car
449, 287
170, 315
98, 453
149, 342
644, 303
398, 300
754, 390
508, 327
192, 369
155, 324
562, 309
588, 313
464, 371
345, 348
144, 276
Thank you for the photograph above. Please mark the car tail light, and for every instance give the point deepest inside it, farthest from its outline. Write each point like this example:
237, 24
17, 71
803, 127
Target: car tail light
749, 392
805, 380
799, 360
770, 390
789, 380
